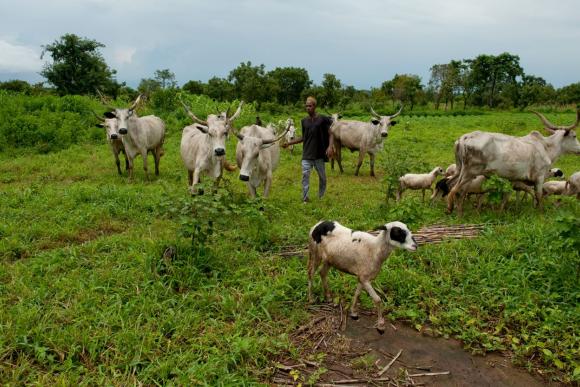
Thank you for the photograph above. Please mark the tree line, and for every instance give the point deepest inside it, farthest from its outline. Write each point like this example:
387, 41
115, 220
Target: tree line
491, 81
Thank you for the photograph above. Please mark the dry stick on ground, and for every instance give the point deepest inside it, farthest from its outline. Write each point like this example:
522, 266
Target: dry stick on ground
386, 368
430, 374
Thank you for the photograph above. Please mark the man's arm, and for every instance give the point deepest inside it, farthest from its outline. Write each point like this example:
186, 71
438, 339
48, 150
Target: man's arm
296, 141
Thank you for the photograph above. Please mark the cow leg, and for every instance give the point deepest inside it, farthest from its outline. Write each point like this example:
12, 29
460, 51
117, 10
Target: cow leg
144, 155
267, 185
353, 306
462, 180
251, 190
539, 193
378, 305
126, 161
338, 150
372, 157
118, 162
157, 155
189, 178
130, 168
361, 157
195, 181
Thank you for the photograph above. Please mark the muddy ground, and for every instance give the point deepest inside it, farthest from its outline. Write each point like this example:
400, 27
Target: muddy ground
334, 350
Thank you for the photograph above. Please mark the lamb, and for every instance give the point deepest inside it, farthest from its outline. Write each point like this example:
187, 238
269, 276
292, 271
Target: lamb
556, 187
442, 186
421, 181
574, 181
355, 252
451, 170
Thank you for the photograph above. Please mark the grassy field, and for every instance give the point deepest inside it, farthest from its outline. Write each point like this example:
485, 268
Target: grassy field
87, 297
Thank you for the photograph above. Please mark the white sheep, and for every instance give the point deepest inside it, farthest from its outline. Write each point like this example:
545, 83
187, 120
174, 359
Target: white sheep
451, 170
574, 181
420, 181
354, 252
556, 187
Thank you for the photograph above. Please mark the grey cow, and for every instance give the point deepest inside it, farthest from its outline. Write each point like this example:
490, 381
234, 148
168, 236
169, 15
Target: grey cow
140, 135
526, 159
366, 137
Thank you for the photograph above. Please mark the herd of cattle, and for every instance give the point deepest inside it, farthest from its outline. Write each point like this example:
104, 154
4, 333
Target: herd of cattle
525, 161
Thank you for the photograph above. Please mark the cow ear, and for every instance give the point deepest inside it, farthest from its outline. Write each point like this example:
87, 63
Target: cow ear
99, 125
375, 122
393, 123
109, 115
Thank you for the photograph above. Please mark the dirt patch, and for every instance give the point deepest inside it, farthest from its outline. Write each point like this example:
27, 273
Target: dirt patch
334, 350
83, 236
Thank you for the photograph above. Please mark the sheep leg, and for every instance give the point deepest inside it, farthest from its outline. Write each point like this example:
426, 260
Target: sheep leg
378, 305
423, 197
313, 263
400, 191
353, 307
324, 277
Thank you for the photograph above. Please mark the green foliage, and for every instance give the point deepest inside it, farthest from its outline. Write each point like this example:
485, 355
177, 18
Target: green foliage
496, 187
78, 67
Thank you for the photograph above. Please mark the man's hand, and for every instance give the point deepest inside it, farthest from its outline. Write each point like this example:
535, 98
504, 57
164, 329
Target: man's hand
330, 152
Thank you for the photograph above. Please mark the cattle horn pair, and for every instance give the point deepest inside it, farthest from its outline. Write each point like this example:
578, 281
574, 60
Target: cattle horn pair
551, 127
193, 117
393, 116
267, 142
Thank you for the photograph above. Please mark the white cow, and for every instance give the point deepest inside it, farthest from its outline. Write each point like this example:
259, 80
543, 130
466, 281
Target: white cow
115, 141
366, 137
203, 145
257, 155
526, 159
140, 135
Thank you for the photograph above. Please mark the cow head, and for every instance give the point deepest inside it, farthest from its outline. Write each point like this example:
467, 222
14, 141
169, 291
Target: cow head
250, 149
291, 129
569, 142
122, 116
216, 126
382, 123
110, 126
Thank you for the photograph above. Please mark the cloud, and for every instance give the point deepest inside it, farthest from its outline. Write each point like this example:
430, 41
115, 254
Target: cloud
16, 58
124, 55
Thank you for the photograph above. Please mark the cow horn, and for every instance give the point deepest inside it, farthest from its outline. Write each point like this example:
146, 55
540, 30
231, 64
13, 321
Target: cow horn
397, 113
101, 119
237, 113
266, 142
568, 128
104, 100
134, 105
545, 121
193, 117
375, 113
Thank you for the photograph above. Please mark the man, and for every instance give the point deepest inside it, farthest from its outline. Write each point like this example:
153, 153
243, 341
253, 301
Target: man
317, 148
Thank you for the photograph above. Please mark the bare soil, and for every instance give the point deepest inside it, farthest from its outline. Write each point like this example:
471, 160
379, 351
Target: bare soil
335, 350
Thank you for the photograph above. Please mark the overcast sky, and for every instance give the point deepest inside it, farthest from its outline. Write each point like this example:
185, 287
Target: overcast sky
363, 42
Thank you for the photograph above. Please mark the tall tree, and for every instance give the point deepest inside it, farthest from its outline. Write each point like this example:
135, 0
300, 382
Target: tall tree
78, 67
406, 88
250, 83
570, 93
291, 82
166, 78
220, 89
148, 86
331, 89
493, 74
534, 90
193, 87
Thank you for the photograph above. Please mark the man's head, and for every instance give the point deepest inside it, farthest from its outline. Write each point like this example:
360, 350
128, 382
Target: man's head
310, 105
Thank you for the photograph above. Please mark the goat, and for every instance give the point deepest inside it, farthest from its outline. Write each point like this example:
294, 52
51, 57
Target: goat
420, 181
355, 252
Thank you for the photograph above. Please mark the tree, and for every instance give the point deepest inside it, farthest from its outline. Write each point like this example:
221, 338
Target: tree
165, 78
331, 89
491, 75
570, 93
78, 67
148, 86
290, 83
406, 88
251, 84
193, 87
220, 89
534, 90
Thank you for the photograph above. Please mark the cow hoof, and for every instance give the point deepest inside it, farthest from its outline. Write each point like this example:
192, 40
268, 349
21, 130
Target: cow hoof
381, 330
354, 316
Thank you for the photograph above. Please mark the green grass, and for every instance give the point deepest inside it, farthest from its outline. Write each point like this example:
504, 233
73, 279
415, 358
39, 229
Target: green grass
85, 296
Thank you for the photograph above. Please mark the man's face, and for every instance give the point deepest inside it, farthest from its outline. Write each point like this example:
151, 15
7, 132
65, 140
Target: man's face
310, 107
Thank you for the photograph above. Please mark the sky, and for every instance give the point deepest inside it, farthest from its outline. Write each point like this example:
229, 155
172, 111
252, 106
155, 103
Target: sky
363, 43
